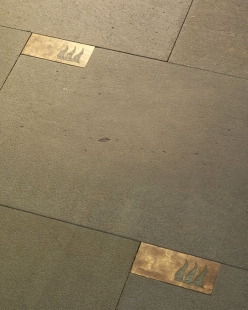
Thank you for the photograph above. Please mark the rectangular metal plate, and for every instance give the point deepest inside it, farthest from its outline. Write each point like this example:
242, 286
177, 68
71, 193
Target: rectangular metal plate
175, 268
68, 52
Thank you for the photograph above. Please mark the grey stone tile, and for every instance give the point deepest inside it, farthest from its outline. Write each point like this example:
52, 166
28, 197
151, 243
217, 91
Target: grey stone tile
230, 293
214, 37
46, 264
11, 42
172, 170
146, 28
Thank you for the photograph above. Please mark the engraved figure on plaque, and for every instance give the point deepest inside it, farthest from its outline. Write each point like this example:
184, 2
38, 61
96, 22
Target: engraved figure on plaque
61, 54
68, 57
190, 278
77, 57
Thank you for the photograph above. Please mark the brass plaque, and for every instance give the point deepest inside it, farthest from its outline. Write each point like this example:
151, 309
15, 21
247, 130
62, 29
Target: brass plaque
176, 268
58, 50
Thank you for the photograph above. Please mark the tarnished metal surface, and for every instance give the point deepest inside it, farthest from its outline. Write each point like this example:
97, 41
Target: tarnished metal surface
72, 53
176, 268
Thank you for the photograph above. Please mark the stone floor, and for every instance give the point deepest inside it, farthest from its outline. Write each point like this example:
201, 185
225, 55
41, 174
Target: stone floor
147, 143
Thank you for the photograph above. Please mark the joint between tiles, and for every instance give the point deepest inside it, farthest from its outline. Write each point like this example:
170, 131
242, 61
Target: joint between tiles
14, 62
180, 31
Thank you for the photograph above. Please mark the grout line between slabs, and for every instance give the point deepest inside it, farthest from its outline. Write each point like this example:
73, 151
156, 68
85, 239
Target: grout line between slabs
127, 277
145, 57
128, 53
206, 70
171, 63
116, 235
100, 47
179, 32
15, 28
14, 63
67, 222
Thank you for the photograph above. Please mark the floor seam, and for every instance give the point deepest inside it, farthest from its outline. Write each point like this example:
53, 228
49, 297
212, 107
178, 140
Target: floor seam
15, 28
180, 30
116, 235
145, 57
206, 70
14, 64
67, 222
128, 53
116, 308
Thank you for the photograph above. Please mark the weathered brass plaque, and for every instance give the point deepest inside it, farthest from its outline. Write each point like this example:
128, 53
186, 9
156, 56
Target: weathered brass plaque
68, 52
175, 268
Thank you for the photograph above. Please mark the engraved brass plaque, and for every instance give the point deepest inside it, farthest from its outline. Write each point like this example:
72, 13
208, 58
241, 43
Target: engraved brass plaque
176, 268
58, 50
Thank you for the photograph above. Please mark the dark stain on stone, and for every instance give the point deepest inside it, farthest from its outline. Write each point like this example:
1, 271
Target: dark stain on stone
104, 140
196, 153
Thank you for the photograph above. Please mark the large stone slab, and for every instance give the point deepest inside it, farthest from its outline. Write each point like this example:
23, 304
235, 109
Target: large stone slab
147, 28
46, 264
230, 293
214, 37
135, 147
11, 42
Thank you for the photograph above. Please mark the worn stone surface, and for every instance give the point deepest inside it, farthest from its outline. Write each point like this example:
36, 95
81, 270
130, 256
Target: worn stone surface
46, 264
147, 28
230, 293
11, 42
214, 37
136, 147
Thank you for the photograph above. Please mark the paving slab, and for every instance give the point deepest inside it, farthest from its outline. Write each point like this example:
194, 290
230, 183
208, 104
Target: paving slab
139, 148
147, 28
214, 37
230, 294
46, 264
11, 42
